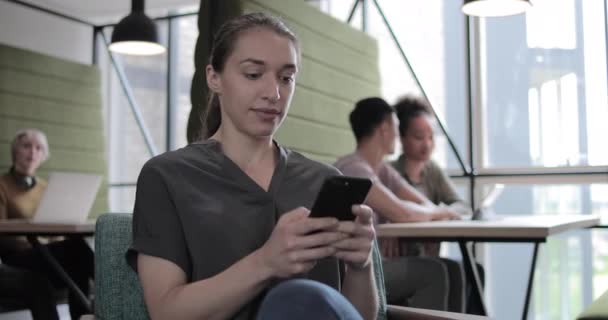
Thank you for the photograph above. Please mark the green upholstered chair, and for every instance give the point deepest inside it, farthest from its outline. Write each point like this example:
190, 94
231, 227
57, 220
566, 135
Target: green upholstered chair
118, 294
597, 310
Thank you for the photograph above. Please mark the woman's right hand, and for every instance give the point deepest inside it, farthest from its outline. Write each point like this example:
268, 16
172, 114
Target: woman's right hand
297, 242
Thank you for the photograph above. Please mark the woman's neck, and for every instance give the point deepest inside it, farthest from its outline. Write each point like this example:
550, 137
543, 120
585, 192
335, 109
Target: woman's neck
248, 153
413, 169
16, 170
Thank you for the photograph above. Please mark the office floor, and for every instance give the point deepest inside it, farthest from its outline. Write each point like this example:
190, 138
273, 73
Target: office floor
64, 314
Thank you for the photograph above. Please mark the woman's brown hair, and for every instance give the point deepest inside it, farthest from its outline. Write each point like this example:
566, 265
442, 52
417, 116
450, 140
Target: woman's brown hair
223, 45
408, 108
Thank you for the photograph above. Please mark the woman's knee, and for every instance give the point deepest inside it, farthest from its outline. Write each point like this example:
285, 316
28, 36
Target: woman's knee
305, 299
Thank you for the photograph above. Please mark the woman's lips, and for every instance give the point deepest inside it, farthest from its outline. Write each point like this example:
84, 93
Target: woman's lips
267, 113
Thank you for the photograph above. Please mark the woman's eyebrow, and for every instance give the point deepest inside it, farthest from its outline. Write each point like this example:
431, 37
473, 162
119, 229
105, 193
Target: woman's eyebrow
289, 67
254, 61
285, 67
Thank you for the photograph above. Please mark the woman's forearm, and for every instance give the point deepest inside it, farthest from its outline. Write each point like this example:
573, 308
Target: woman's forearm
218, 297
360, 289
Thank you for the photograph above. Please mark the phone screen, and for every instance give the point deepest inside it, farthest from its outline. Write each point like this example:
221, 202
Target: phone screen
337, 196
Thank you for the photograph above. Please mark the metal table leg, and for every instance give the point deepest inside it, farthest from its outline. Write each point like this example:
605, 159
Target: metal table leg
530, 282
58, 269
472, 274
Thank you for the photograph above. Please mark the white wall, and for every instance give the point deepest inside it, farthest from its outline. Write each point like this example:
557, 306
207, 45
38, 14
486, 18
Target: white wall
30, 29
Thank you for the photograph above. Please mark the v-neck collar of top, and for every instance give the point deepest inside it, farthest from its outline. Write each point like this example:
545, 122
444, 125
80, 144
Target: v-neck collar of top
400, 168
235, 172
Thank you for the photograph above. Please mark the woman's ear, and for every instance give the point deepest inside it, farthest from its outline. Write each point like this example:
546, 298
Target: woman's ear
213, 80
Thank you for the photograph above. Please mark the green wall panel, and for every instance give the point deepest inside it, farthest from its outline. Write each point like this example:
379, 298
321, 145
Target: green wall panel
49, 88
61, 98
315, 106
58, 135
33, 62
34, 108
315, 138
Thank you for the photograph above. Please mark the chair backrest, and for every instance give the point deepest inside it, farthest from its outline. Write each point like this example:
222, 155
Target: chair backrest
118, 294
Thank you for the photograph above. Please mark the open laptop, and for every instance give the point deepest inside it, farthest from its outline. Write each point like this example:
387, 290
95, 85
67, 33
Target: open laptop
68, 198
486, 210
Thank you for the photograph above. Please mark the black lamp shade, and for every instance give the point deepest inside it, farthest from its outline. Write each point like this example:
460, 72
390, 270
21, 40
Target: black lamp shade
495, 8
136, 33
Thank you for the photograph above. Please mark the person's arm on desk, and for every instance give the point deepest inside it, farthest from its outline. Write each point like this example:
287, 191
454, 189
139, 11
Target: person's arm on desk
395, 209
444, 191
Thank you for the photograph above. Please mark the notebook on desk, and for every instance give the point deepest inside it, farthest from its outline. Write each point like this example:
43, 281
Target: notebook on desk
68, 198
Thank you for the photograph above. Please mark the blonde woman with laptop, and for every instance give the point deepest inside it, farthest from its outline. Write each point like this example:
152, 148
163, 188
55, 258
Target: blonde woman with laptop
20, 194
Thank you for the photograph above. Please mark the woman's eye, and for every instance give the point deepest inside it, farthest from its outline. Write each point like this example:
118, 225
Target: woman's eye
252, 76
287, 79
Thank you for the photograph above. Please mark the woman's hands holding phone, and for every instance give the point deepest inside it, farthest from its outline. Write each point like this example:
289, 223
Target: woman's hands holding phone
356, 249
297, 242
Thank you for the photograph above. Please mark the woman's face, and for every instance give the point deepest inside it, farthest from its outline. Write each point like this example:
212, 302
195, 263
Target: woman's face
418, 142
29, 154
257, 83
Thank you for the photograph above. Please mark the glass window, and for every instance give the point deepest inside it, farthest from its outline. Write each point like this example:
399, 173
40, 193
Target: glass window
127, 148
437, 59
544, 84
561, 282
121, 199
185, 35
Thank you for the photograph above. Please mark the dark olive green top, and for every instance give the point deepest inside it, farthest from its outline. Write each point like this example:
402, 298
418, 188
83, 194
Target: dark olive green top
435, 185
438, 188
196, 208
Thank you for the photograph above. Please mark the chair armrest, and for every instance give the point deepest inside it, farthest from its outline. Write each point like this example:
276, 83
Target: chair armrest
597, 310
403, 313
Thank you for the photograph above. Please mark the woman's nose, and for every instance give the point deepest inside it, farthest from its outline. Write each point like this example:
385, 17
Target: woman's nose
272, 90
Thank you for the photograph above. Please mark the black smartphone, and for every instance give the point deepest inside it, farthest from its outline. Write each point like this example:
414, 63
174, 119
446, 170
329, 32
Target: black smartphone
337, 196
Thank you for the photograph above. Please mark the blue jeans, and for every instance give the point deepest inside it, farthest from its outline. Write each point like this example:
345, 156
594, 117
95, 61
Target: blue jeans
302, 299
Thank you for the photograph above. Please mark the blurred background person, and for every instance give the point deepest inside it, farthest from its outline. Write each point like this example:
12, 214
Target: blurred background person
416, 166
20, 193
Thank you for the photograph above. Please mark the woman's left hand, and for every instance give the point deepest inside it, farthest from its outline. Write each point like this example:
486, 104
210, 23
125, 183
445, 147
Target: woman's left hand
356, 250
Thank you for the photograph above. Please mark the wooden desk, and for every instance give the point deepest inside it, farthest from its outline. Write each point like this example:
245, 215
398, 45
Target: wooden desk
33, 230
534, 229
26, 228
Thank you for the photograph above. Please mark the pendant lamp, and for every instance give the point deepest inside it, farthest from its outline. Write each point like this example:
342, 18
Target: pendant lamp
136, 33
495, 8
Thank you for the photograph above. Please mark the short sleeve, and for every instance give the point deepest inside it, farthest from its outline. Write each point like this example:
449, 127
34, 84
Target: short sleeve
391, 178
358, 169
157, 228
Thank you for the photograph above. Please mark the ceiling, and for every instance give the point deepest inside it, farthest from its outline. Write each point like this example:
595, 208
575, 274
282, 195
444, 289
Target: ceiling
111, 11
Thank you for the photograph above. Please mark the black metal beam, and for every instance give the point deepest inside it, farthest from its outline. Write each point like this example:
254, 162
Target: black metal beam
530, 282
124, 83
469, 94
409, 66
95, 53
171, 84
352, 11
